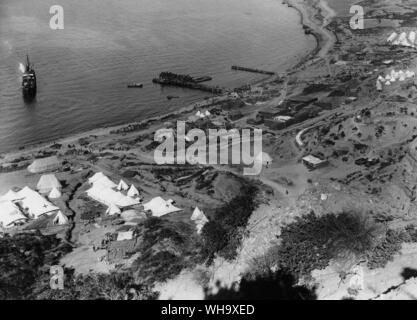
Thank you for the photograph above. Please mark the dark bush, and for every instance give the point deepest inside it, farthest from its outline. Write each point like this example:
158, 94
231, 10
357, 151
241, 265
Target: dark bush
224, 233
311, 241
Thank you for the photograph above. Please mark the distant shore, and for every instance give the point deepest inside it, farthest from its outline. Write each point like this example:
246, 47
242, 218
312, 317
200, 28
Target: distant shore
305, 13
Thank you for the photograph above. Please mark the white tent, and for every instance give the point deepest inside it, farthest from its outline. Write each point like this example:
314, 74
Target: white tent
10, 196
35, 204
54, 194
199, 218
207, 113
387, 83
264, 158
60, 218
10, 214
109, 196
409, 74
401, 75
392, 37
378, 85
402, 40
199, 226
159, 207
198, 215
122, 186
412, 38
44, 164
112, 210
133, 192
48, 182
100, 179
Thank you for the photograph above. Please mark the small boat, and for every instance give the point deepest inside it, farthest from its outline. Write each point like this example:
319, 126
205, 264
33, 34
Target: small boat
202, 79
172, 97
135, 85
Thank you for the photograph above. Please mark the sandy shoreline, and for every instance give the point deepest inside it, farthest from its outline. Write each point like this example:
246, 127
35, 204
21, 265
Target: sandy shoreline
305, 15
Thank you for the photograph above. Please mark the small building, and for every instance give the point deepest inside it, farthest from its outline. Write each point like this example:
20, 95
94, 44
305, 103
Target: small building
235, 115
296, 103
312, 162
269, 113
283, 118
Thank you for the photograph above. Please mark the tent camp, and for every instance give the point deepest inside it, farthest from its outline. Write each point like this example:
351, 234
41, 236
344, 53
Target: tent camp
10, 215
264, 158
100, 179
54, 194
133, 192
60, 219
112, 210
44, 164
159, 207
35, 204
48, 182
110, 197
122, 186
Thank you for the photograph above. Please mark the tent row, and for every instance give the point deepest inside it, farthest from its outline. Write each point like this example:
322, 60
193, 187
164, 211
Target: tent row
394, 76
203, 114
403, 39
110, 194
110, 197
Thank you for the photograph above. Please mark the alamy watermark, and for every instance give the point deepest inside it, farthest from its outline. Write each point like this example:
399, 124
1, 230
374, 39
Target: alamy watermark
57, 278
57, 20
357, 21
221, 146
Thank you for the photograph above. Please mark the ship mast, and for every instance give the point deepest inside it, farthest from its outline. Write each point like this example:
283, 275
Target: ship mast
28, 65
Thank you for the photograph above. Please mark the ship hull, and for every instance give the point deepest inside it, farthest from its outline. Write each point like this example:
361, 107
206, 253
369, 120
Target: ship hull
29, 93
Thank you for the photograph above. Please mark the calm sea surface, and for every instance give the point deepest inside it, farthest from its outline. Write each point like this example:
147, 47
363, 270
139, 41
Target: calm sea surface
83, 70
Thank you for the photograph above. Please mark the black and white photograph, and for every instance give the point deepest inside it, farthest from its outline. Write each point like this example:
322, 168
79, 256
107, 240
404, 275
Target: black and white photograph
214, 152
